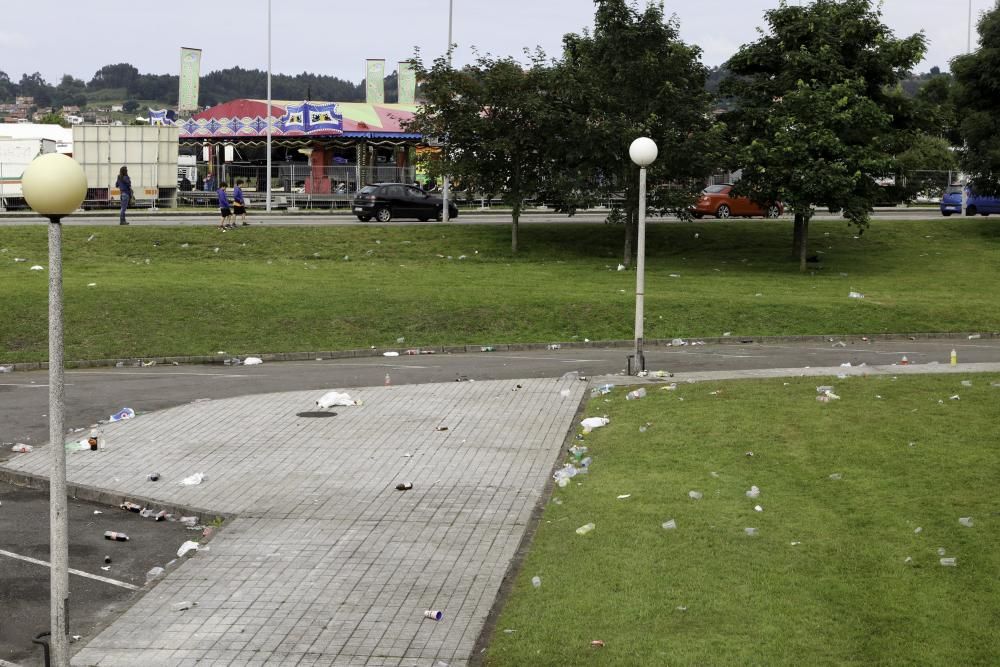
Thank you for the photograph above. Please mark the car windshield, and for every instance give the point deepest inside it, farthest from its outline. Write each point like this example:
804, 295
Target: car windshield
954, 190
368, 190
714, 189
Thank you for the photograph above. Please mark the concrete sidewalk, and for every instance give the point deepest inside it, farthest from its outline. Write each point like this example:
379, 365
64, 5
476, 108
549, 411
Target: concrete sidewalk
326, 563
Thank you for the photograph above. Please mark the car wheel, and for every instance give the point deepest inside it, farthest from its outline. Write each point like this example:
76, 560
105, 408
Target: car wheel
383, 215
423, 219
773, 211
722, 212
946, 213
970, 210
696, 216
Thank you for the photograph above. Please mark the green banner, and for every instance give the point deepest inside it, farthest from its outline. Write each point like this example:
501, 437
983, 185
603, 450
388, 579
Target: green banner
375, 81
406, 77
187, 97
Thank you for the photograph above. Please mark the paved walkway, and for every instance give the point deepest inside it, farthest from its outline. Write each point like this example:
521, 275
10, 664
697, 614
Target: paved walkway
326, 563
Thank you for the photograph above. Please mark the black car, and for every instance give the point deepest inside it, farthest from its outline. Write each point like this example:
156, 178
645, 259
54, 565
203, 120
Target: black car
385, 201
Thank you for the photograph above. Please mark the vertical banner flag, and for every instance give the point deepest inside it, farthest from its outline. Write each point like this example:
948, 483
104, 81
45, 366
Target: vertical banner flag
187, 98
375, 81
406, 77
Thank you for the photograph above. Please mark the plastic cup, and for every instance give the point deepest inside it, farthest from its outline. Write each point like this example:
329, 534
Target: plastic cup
434, 614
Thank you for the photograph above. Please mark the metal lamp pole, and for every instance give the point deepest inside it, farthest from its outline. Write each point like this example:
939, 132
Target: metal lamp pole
268, 116
54, 185
965, 176
643, 152
444, 186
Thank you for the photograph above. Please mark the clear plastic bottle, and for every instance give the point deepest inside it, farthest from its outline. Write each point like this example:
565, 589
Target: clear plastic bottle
636, 394
584, 529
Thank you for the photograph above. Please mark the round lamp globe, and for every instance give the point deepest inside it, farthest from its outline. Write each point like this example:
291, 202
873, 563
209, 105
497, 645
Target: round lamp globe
643, 151
54, 184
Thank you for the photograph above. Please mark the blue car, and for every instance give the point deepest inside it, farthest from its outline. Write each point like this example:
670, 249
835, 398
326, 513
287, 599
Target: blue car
976, 204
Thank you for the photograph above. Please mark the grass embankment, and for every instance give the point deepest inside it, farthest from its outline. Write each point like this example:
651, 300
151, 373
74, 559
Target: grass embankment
825, 581
178, 291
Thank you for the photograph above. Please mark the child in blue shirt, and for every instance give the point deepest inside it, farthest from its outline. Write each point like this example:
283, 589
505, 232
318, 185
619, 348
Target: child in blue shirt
239, 206
224, 207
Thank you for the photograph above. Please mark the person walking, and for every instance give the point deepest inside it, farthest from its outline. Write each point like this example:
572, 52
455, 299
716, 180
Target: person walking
124, 185
209, 182
239, 205
224, 207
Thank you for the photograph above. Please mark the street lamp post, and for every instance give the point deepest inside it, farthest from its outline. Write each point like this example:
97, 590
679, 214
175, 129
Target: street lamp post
642, 151
444, 185
54, 185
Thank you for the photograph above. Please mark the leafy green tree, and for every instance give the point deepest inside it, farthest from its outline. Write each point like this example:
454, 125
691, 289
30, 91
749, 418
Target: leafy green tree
820, 115
33, 85
53, 118
977, 101
631, 77
487, 116
130, 105
121, 75
6, 88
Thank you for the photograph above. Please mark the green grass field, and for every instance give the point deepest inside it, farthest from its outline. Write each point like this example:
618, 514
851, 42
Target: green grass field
190, 291
825, 581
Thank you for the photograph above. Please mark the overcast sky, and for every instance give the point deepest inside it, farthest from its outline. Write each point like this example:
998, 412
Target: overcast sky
56, 37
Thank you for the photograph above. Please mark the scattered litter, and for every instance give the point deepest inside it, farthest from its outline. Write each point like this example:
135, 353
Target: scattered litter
154, 573
404, 486
966, 383
37, 267
624, 496
645, 427
182, 606
106, 568
597, 643
835, 476
189, 520
846, 364
670, 525
752, 532
21, 448
193, 480
949, 562
553, 346
954, 398
636, 394
941, 551
20, 259
332, 398
907, 560
918, 530
695, 495
114, 536
758, 508
681, 608
434, 614
536, 581
966, 521
675, 275
390, 354
441, 428
252, 361
98, 512
91, 284
121, 415
856, 295
190, 545
727, 334
602, 390
564, 393
584, 529
750, 454
6, 369
621, 267
754, 492
590, 423
795, 544
677, 342
714, 474
131, 507
571, 375
839, 343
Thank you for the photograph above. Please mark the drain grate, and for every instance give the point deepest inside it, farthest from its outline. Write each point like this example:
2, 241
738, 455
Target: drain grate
316, 414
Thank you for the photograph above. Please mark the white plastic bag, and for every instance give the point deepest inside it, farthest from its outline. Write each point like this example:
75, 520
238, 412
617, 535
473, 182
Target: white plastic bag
590, 423
332, 398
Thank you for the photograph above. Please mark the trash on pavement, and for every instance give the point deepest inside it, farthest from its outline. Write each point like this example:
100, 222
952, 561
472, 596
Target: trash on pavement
434, 614
121, 415
390, 354
21, 448
117, 537
131, 507
590, 423
252, 361
753, 492
966, 521
677, 342
154, 573
404, 486
193, 480
669, 525
332, 398
182, 606
190, 545
584, 529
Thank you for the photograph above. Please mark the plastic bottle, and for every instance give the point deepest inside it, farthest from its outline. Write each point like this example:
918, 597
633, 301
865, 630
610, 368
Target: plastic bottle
388, 380
117, 537
954, 358
584, 529
21, 448
635, 395
93, 440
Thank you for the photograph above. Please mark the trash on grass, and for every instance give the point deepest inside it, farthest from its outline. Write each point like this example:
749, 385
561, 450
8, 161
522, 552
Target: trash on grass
597, 643
332, 398
758, 508
636, 394
590, 423
949, 562
602, 390
669, 525
252, 361
624, 496
835, 476
753, 492
695, 495
856, 295
966, 521
37, 267
584, 529
752, 532
536, 581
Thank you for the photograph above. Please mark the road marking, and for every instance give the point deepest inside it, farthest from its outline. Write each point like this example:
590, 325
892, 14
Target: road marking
26, 386
160, 374
113, 582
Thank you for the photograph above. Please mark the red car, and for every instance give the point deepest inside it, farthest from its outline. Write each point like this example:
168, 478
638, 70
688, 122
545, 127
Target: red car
716, 200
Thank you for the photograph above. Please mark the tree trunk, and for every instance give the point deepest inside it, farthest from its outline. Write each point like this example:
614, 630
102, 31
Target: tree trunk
515, 214
797, 235
803, 244
631, 223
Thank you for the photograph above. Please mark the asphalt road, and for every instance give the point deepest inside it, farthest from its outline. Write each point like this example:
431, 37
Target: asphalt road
342, 217
96, 595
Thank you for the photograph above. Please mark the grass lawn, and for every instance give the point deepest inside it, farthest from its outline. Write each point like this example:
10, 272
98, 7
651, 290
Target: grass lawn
179, 290
825, 581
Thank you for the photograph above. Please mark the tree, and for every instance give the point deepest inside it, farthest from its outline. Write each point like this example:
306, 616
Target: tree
121, 75
977, 99
33, 85
487, 116
130, 105
820, 115
632, 77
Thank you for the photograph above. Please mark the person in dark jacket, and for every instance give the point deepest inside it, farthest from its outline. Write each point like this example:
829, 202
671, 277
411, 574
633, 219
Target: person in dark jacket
124, 185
